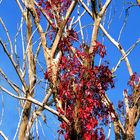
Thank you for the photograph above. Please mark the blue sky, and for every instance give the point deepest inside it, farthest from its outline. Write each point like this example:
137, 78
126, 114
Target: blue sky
10, 14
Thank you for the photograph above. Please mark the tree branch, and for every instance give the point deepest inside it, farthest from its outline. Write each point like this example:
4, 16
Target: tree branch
46, 50
3, 135
45, 15
13, 63
118, 46
32, 100
8, 36
13, 85
126, 101
38, 112
60, 31
101, 13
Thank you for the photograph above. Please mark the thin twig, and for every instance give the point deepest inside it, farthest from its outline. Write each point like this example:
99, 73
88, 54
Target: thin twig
109, 128
127, 53
82, 14
2, 112
80, 25
18, 126
42, 129
20, 7
123, 26
13, 63
36, 126
13, 85
22, 41
101, 13
8, 36
45, 15
3, 135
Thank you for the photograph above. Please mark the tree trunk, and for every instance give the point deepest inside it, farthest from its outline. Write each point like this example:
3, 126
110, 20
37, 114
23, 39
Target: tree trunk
24, 122
23, 134
130, 124
117, 130
77, 126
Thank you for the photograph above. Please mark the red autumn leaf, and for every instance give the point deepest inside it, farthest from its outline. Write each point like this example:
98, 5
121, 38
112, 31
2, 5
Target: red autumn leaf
120, 104
87, 136
46, 75
89, 127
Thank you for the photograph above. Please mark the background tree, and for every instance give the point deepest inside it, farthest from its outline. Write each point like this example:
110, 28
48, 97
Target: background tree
59, 62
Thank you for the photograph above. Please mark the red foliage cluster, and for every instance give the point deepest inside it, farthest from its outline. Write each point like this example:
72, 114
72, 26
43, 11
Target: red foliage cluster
99, 49
81, 90
67, 40
133, 79
55, 9
120, 104
133, 83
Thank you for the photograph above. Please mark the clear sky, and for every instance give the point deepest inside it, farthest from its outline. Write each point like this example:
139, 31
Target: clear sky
11, 15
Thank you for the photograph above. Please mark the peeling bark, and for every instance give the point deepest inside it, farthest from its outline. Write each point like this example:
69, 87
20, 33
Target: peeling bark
24, 122
32, 80
130, 124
